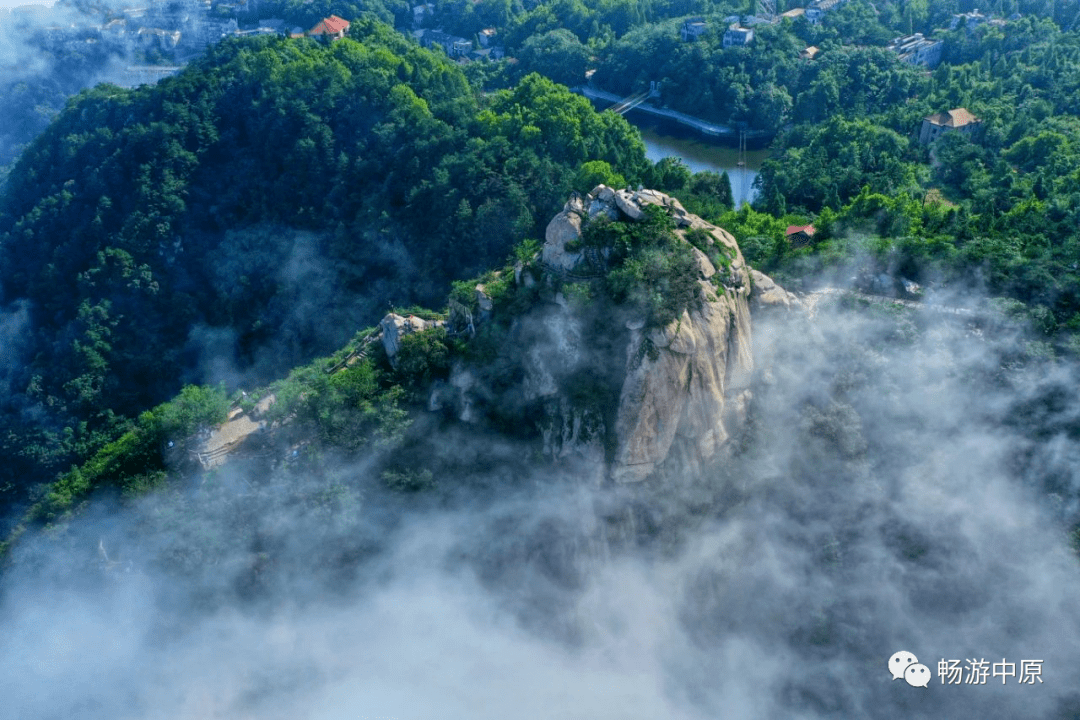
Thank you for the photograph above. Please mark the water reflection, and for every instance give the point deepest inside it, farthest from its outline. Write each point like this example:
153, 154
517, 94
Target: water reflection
700, 154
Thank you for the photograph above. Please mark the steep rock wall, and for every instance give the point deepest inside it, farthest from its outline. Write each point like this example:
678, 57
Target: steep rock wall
685, 390
659, 402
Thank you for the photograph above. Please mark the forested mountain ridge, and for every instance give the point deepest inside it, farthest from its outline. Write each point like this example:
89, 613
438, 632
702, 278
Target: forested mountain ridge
286, 191
620, 351
256, 208
583, 476
994, 210
842, 456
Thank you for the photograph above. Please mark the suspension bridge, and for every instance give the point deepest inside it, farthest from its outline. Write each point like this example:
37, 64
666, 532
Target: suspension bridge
629, 103
623, 105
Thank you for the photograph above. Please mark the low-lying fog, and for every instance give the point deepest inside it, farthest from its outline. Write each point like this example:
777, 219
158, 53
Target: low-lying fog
907, 485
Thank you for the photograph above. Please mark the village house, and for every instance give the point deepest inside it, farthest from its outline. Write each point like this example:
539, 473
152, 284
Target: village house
794, 14
693, 28
817, 9
486, 37
331, 28
420, 13
738, 36
917, 50
453, 45
956, 120
800, 235
809, 53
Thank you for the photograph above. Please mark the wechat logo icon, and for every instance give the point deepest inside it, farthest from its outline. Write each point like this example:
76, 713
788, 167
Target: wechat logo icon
905, 666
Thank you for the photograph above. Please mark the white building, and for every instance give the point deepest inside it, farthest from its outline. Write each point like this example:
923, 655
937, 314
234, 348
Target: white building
738, 36
917, 50
693, 28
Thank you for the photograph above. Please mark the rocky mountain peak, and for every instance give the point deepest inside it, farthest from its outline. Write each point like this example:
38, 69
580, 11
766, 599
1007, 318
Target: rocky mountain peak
676, 392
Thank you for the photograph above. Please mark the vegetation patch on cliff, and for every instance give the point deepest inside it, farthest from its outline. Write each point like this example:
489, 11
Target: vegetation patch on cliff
651, 268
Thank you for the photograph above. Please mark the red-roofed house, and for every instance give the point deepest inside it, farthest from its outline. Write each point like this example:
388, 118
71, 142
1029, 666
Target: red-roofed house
800, 235
332, 28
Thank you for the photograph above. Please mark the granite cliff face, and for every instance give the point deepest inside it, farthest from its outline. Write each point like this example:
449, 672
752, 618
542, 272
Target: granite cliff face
659, 402
686, 386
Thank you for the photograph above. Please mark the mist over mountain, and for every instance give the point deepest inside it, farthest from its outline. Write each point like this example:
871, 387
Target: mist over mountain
254, 212
334, 386
48, 54
890, 494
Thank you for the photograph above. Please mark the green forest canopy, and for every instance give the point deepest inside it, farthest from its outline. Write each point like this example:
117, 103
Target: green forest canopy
276, 194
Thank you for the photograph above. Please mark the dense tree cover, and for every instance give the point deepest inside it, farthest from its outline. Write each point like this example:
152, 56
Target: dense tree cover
305, 14
133, 463
388, 176
598, 22
357, 400
37, 78
998, 209
878, 241
827, 161
556, 54
340, 404
651, 269
259, 205
1018, 94
764, 85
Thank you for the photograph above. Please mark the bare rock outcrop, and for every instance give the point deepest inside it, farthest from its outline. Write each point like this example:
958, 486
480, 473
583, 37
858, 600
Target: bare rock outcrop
672, 397
394, 327
686, 386
564, 229
766, 293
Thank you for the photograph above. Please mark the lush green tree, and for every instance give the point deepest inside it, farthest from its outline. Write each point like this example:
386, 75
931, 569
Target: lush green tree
597, 172
708, 194
669, 174
557, 54
829, 163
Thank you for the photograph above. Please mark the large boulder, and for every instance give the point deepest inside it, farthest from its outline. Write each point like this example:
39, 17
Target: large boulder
394, 327
767, 294
564, 228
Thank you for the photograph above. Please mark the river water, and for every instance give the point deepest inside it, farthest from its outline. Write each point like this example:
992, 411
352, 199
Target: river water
700, 153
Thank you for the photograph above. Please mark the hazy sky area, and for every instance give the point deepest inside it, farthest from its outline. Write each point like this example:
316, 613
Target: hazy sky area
8, 4
891, 498
37, 79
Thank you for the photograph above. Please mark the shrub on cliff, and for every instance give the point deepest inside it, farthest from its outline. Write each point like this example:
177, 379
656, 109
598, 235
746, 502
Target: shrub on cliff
651, 268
